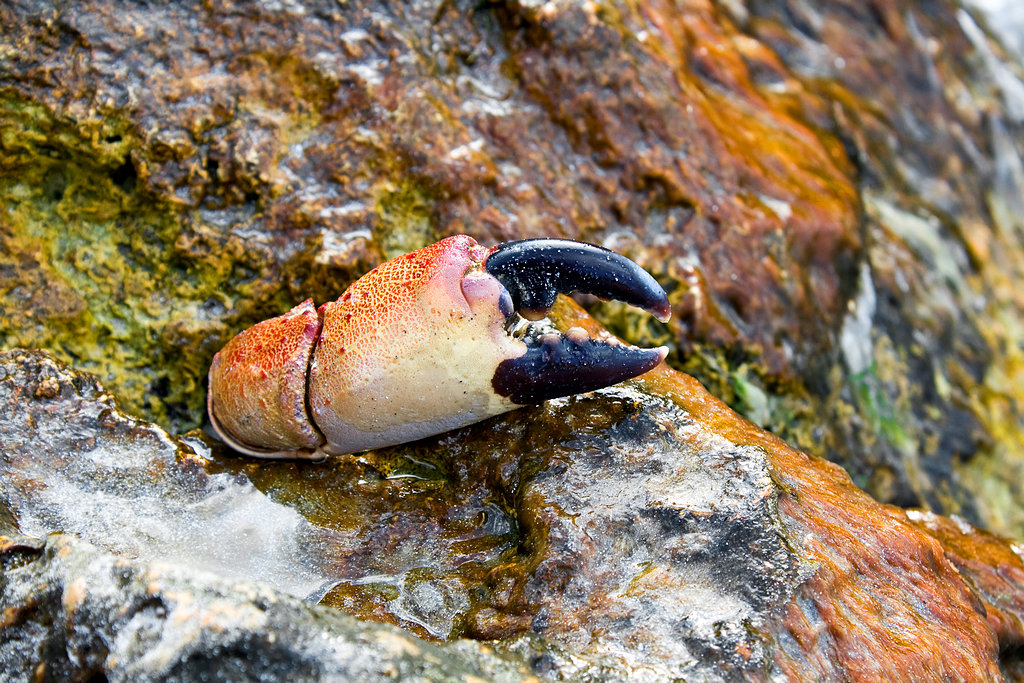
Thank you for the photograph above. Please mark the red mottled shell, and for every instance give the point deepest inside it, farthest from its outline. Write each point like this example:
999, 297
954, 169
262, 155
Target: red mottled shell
258, 382
404, 353
393, 303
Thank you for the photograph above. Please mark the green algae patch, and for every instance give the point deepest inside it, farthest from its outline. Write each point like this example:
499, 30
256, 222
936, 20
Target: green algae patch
405, 211
92, 269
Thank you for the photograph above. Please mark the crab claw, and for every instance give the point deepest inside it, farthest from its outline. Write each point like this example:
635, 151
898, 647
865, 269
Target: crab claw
535, 272
424, 343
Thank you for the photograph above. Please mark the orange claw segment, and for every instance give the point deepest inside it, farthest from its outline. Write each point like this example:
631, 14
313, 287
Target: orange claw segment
259, 381
403, 354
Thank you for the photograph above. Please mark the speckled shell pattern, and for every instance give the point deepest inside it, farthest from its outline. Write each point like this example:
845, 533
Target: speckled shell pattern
258, 382
409, 350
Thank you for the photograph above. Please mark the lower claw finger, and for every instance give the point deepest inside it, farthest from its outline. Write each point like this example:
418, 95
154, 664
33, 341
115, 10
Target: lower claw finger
556, 365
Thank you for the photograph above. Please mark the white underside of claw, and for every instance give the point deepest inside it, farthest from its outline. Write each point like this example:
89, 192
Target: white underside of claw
443, 384
438, 377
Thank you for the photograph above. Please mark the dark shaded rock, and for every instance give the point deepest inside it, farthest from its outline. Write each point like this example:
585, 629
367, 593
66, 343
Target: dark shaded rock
647, 541
75, 612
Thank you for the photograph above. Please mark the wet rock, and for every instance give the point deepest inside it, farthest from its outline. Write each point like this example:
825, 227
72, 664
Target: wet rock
920, 389
992, 567
72, 462
651, 543
75, 612
189, 573
831, 193
642, 530
802, 576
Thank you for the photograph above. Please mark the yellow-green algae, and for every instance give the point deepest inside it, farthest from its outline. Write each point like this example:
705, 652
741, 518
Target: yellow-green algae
404, 210
92, 269
136, 289
996, 475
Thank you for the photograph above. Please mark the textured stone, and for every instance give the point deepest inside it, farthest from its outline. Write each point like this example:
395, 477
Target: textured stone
830, 193
73, 611
644, 529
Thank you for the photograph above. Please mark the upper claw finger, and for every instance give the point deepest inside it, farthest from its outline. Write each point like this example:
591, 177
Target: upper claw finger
536, 271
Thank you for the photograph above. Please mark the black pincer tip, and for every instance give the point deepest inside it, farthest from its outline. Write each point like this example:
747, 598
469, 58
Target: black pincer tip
555, 365
536, 271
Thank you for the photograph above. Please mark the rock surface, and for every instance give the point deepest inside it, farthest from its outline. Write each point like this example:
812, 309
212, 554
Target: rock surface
74, 612
642, 530
830, 193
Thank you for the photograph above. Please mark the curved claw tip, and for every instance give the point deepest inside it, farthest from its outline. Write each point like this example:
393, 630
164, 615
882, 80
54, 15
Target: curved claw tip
662, 353
536, 271
556, 365
662, 312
